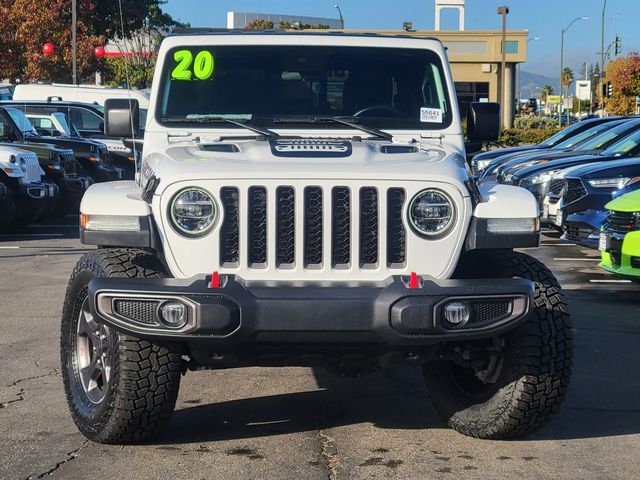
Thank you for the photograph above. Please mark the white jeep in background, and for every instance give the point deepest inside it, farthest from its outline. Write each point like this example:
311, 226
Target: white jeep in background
26, 195
304, 200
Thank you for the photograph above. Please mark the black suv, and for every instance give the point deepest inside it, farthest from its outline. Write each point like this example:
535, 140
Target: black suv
93, 157
87, 119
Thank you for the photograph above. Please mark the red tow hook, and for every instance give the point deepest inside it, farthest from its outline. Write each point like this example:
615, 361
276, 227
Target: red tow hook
215, 280
413, 281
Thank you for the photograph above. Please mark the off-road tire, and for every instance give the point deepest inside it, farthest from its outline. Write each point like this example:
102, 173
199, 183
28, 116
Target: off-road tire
537, 359
144, 376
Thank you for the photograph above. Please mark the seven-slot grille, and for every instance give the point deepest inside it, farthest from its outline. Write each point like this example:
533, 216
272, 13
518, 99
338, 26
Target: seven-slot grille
69, 161
32, 173
298, 217
574, 191
623, 221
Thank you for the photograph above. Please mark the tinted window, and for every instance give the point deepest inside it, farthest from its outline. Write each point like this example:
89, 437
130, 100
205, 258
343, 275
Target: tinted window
391, 88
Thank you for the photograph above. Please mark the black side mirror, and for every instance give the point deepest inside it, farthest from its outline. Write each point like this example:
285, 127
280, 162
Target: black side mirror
483, 121
121, 118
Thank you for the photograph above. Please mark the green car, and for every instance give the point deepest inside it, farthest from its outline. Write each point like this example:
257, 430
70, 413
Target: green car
620, 236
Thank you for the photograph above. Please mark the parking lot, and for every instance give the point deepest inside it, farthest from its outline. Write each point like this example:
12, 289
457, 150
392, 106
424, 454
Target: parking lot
306, 423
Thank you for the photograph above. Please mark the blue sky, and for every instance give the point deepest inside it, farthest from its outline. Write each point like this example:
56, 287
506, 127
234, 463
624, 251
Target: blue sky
543, 18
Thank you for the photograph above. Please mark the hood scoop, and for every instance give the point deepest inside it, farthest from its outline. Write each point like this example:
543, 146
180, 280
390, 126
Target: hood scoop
219, 147
311, 147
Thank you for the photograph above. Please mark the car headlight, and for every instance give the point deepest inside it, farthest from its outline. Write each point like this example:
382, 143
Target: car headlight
540, 177
193, 212
431, 213
615, 183
23, 164
480, 165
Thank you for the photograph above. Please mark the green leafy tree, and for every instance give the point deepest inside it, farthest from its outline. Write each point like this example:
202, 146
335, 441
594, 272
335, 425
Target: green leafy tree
546, 91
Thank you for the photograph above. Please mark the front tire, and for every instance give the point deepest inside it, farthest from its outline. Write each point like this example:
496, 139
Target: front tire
530, 375
119, 388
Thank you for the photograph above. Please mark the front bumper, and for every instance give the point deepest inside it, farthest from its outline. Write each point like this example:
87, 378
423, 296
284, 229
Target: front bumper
241, 315
583, 228
622, 254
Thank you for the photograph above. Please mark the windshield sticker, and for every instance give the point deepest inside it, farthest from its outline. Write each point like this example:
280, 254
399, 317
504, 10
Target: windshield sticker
201, 67
430, 115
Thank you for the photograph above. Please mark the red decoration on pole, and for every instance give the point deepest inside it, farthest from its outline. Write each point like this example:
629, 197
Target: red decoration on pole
99, 51
48, 49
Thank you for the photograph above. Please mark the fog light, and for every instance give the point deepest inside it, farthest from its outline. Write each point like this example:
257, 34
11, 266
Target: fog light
456, 313
173, 314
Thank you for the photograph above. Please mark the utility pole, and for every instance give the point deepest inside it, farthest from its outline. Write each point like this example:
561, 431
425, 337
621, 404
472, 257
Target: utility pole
602, 56
74, 24
504, 11
562, 66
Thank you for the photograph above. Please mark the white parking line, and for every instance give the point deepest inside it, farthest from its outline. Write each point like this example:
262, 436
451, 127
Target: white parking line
577, 259
8, 247
610, 281
557, 244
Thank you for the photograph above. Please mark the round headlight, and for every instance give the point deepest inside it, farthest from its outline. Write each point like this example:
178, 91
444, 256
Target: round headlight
193, 212
23, 164
431, 213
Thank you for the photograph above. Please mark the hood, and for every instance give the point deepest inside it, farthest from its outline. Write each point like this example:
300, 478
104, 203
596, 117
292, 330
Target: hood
629, 202
505, 151
558, 164
626, 167
537, 158
304, 158
75, 144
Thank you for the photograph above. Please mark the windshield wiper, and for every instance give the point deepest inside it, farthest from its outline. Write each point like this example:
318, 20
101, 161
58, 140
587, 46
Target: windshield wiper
353, 123
218, 119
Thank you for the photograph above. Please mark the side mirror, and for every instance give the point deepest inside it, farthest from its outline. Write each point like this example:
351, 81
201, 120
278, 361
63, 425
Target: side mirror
101, 126
121, 118
483, 121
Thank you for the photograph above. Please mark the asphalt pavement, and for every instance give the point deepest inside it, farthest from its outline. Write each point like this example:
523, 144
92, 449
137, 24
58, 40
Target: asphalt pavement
301, 423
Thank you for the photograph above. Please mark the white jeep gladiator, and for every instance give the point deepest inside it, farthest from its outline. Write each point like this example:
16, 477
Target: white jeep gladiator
304, 200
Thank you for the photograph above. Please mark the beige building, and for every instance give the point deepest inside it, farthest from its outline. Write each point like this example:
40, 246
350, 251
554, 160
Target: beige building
476, 57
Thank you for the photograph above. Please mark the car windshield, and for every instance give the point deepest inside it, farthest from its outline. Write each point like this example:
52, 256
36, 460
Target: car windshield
629, 145
607, 137
586, 135
62, 120
22, 121
555, 139
267, 85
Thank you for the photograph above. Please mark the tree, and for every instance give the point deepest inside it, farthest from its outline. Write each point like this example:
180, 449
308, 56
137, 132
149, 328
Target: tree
26, 25
566, 79
546, 90
259, 24
624, 75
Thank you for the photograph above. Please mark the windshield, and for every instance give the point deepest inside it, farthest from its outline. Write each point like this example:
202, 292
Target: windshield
62, 120
553, 140
267, 85
21, 121
608, 137
586, 135
627, 146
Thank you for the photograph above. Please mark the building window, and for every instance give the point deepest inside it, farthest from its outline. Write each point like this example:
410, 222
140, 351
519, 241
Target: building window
468, 47
512, 47
471, 92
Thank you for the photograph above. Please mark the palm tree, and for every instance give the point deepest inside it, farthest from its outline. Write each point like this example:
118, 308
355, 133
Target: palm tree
567, 79
545, 91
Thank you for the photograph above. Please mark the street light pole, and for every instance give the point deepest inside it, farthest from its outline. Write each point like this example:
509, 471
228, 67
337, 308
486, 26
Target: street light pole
562, 65
504, 11
341, 17
74, 24
602, 56
518, 72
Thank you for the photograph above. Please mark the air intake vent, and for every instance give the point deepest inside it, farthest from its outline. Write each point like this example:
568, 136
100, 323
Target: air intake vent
368, 227
311, 147
341, 226
286, 228
230, 229
396, 233
313, 226
257, 227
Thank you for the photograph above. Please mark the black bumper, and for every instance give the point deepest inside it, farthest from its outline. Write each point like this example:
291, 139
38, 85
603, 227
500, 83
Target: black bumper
240, 313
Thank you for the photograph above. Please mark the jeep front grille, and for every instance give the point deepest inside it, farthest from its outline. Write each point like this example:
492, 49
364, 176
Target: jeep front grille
299, 221
69, 161
32, 172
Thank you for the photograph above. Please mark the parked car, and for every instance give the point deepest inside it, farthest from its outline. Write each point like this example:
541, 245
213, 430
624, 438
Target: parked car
537, 178
508, 164
96, 94
587, 190
93, 157
56, 124
28, 196
482, 160
589, 142
620, 237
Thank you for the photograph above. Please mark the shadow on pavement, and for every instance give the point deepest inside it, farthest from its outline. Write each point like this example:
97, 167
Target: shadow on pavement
602, 400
